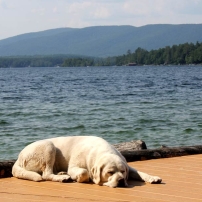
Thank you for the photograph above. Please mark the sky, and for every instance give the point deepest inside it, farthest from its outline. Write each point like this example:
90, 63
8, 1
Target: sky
25, 16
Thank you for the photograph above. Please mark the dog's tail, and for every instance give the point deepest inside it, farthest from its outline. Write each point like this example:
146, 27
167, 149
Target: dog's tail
22, 173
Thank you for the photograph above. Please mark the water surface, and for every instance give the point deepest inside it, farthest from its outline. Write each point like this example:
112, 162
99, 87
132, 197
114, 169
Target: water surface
160, 105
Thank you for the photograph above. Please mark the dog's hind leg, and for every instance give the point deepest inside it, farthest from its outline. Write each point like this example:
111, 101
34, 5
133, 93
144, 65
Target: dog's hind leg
49, 157
35, 162
137, 175
22, 173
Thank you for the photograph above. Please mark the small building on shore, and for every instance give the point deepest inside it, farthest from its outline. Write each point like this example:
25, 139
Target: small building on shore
131, 64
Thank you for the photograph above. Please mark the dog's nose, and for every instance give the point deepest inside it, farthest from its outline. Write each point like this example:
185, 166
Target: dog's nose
121, 183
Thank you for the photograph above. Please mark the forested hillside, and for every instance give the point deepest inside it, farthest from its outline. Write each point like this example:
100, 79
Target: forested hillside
182, 54
100, 41
187, 53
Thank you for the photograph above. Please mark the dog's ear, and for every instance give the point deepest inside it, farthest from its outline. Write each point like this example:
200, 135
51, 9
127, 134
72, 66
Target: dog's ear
96, 172
126, 166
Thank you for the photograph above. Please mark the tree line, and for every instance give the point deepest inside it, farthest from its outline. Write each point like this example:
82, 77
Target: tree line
182, 54
32, 61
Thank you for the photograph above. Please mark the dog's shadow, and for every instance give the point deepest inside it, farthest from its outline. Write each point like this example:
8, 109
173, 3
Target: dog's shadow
132, 183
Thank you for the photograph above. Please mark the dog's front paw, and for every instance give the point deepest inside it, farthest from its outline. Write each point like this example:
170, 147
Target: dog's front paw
37, 178
108, 184
60, 178
83, 177
155, 180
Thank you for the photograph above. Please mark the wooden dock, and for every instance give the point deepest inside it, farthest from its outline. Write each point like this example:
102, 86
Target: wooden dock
182, 181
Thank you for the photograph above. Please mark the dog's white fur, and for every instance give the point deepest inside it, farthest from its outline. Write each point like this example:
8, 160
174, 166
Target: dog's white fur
80, 158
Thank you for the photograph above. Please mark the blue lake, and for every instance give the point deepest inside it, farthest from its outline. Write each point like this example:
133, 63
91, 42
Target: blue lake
160, 105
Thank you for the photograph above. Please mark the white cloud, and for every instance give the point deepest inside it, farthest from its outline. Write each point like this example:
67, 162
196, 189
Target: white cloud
101, 13
55, 10
89, 9
5, 5
78, 8
88, 13
162, 11
150, 7
40, 11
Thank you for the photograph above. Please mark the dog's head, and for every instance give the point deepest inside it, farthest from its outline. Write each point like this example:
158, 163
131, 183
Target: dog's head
110, 170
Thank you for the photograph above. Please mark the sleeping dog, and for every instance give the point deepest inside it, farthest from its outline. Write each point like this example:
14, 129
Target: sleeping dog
77, 158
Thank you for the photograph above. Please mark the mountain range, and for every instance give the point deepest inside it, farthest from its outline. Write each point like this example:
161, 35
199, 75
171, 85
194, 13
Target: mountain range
100, 41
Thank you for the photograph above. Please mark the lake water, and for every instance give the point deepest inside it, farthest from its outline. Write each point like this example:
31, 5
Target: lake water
160, 105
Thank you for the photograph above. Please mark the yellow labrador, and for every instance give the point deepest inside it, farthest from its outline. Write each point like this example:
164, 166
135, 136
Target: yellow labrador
79, 158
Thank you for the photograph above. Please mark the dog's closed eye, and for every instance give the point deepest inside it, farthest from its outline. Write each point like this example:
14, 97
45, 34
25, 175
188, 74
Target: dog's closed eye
111, 172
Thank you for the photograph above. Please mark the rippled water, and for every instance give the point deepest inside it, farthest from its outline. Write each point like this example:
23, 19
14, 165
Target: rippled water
160, 105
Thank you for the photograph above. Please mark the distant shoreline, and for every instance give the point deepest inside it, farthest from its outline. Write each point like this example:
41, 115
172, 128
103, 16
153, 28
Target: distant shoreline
169, 65
182, 54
